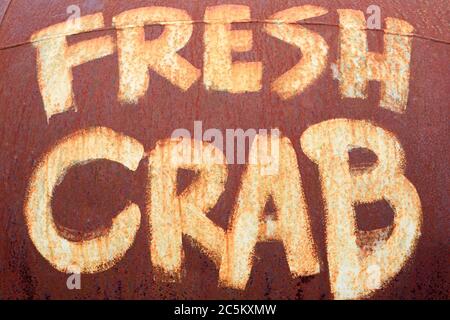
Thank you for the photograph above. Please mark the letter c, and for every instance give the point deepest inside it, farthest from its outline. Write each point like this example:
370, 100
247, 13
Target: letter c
93, 255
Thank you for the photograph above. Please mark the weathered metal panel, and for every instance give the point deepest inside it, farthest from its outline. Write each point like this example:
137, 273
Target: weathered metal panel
38, 116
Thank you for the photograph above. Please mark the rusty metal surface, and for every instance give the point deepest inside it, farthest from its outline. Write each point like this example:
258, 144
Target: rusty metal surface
90, 196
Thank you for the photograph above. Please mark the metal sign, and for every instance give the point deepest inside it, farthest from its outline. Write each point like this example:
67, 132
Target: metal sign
198, 150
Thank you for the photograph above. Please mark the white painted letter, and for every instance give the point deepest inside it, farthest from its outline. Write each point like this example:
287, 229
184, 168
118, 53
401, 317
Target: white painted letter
314, 49
248, 225
55, 59
220, 73
88, 256
351, 264
358, 65
136, 54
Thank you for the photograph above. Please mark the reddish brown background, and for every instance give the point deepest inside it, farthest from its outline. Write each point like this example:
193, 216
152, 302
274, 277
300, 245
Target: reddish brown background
25, 136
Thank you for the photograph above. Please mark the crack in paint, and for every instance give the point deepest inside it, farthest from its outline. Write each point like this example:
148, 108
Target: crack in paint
3, 15
180, 22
